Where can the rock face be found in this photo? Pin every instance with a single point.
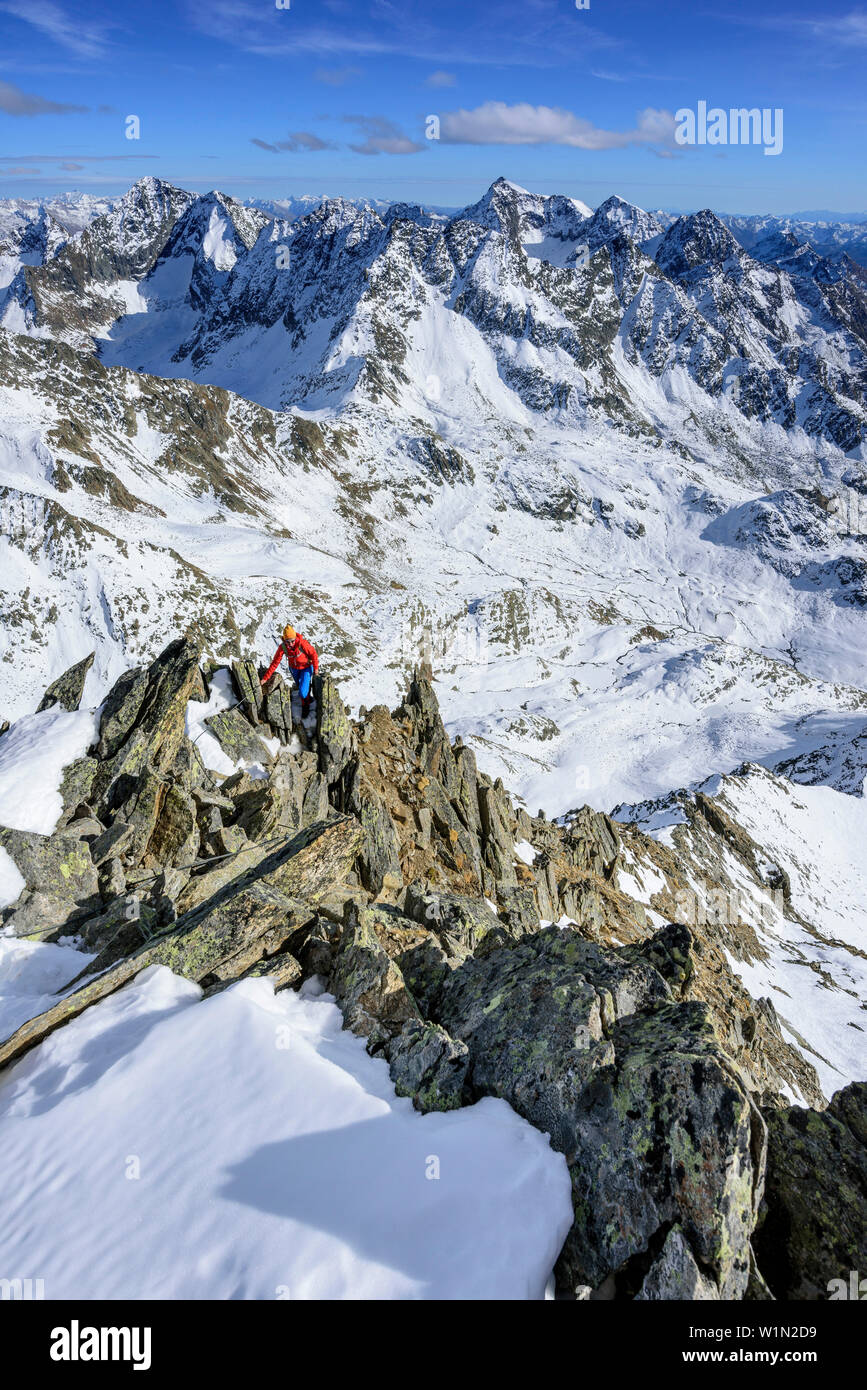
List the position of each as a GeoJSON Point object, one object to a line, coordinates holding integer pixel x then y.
{"type": "Point", "coordinates": [814, 1228]}
{"type": "Point", "coordinates": [378, 857]}
{"type": "Point", "coordinates": [68, 689]}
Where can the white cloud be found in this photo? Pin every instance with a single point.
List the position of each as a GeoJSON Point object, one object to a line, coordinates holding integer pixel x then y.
{"type": "Point", "coordinates": [498, 123]}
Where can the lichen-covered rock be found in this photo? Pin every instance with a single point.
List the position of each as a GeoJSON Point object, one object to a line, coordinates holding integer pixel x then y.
{"type": "Point", "coordinates": [380, 855]}
{"type": "Point", "coordinates": [141, 730]}
{"type": "Point", "coordinates": [237, 739]}
{"type": "Point", "coordinates": [428, 1065]}
{"type": "Point", "coordinates": [175, 838]}
{"type": "Point", "coordinates": [369, 987]}
{"type": "Point", "coordinates": [245, 677]}
{"type": "Point", "coordinates": [674, 1274]}
{"type": "Point", "coordinates": [461, 922]}
{"type": "Point", "coordinates": [277, 708]}
{"type": "Point", "coordinates": [61, 880]}
{"type": "Point", "coordinates": [76, 785]}
{"type": "Point", "coordinates": [335, 741]}
{"type": "Point", "coordinates": [814, 1227]}
{"type": "Point", "coordinates": [67, 690]}
{"type": "Point", "coordinates": [124, 925]}
{"type": "Point", "coordinates": [665, 1133]}
{"type": "Point", "coordinates": [585, 1043]}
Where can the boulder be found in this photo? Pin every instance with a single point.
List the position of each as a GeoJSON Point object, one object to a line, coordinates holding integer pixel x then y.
{"type": "Point", "coordinates": [68, 689]}
{"type": "Point", "coordinates": [175, 838]}
{"type": "Point", "coordinates": [665, 1133]}
{"type": "Point", "coordinates": [367, 984]}
{"type": "Point", "coordinates": [459, 921]}
{"type": "Point", "coordinates": [429, 1066]}
{"type": "Point", "coordinates": [61, 880]}
{"type": "Point", "coordinates": [237, 739]}
{"type": "Point", "coordinates": [141, 730]}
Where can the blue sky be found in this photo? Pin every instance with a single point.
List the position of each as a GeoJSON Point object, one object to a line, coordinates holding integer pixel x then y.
{"type": "Point", "coordinates": [333, 96]}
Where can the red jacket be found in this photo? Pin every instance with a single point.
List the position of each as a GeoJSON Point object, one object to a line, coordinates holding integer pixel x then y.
{"type": "Point", "coordinates": [300, 654]}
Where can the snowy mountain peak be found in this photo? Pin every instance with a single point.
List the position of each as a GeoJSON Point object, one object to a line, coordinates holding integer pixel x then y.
{"type": "Point", "coordinates": [699, 239]}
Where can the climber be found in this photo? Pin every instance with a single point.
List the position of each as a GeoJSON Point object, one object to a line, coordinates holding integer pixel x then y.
{"type": "Point", "coordinates": [303, 661]}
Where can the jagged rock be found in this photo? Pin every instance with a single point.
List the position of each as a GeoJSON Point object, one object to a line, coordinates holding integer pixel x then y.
{"type": "Point", "coordinates": [282, 970]}
{"type": "Point", "coordinates": [670, 951]}
{"type": "Point", "coordinates": [111, 843]}
{"type": "Point", "coordinates": [141, 730]}
{"type": "Point", "coordinates": [380, 855]}
{"type": "Point", "coordinates": [674, 1273]}
{"type": "Point", "coordinates": [499, 843]}
{"type": "Point", "coordinates": [206, 883]}
{"type": "Point", "coordinates": [369, 987]}
{"type": "Point", "coordinates": [593, 842]}
{"type": "Point", "coordinates": [584, 1042]}
{"type": "Point", "coordinates": [85, 828]}
{"type": "Point", "coordinates": [665, 1133]}
{"type": "Point", "coordinates": [252, 905]}
{"type": "Point", "coordinates": [112, 880]}
{"type": "Point", "coordinates": [466, 801]}
{"type": "Point", "coordinates": [334, 737]}
{"type": "Point", "coordinates": [60, 877]}
{"type": "Point", "coordinates": [428, 1065]}
{"type": "Point", "coordinates": [76, 785]}
{"type": "Point", "coordinates": [175, 839]}
{"type": "Point", "coordinates": [5, 726]}
{"type": "Point", "coordinates": [124, 925]}
{"type": "Point", "coordinates": [120, 710]}
{"type": "Point", "coordinates": [237, 739]}
{"type": "Point", "coordinates": [238, 784]}
{"type": "Point", "coordinates": [519, 910]}
{"type": "Point", "coordinates": [433, 745]}
{"type": "Point", "coordinates": [245, 677]}
{"type": "Point", "coordinates": [315, 805]}
{"type": "Point", "coordinates": [461, 921]}
{"type": "Point", "coordinates": [229, 839]}
{"type": "Point", "coordinates": [68, 689]}
{"type": "Point", "coordinates": [814, 1227]}
{"type": "Point", "coordinates": [277, 708]}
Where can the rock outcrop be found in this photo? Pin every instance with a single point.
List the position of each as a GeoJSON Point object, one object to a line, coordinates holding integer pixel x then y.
{"type": "Point", "coordinates": [376, 855]}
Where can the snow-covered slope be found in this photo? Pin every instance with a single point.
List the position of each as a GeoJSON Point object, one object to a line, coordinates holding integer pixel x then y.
{"type": "Point", "coordinates": [279, 1164]}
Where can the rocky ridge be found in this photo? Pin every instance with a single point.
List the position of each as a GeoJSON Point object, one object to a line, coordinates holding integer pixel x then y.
{"type": "Point", "coordinates": [479, 950]}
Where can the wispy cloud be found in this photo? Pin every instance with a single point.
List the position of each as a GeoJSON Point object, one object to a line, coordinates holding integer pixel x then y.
{"type": "Point", "coordinates": [382, 136]}
{"type": "Point", "coordinates": [525, 35]}
{"type": "Point", "coordinates": [298, 140]}
{"type": "Point", "coordinates": [19, 170]}
{"type": "Point", "coordinates": [72, 32]}
{"type": "Point", "coordinates": [336, 77]}
{"type": "Point", "coordinates": [440, 79]}
{"type": "Point", "coordinates": [85, 158]}
{"type": "Point", "coordinates": [498, 123]}
{"type": "Point", "coordinates": [15, 102]}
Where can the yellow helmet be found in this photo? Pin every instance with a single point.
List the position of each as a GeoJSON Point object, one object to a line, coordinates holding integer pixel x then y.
{"type": "Point", "coordinates": [289, 633]}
